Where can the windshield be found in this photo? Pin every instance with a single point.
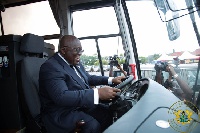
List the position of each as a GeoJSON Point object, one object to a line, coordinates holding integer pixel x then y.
{"type": "Point", "coordinates": [154, 45]}
{"type": "Point", "coordinates": [160, 36]}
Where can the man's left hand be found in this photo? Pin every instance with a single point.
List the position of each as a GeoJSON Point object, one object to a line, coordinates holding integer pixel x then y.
{"type": "Point", "coordinates": [118, 80]}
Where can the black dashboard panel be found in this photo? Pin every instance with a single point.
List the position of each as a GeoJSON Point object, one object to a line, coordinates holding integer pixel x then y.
{"type": "Point", "coordinates": [153, 106]}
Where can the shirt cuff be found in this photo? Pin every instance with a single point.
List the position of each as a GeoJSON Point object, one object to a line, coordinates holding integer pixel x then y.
{"type": "Point", "coordinates": [110, 80]}
{"type": "Point", "coordinates": [96, 96]}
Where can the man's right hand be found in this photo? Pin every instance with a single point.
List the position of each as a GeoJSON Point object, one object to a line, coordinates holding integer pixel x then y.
{"type": "Point", "coordinates": [107, 93]}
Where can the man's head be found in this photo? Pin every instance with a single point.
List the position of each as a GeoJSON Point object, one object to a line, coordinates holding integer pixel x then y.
{"type": "Point", "coordinates": [71, 49]}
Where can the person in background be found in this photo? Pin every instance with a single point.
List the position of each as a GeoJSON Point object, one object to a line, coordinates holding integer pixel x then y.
{"type": "Point", "coordinates": [180, 88]}
{"type": "Point", "coordinates": [111, 74]}
{"type": "Point", "coordinates": [159, 77]}
{"type": "Point", "coordinates": [66, 95]}
{"type": "Point", "coordinates": [174, 83]}
{"type": "Point", "coordinates": [121, 69]}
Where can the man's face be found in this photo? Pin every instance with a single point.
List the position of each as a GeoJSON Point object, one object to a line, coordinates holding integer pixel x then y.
{"type": "Point", "coordinates": [73, 51]}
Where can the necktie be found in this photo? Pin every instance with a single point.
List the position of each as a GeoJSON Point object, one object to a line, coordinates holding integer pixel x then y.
{"type": "Point", "coordinates": [79, 74]}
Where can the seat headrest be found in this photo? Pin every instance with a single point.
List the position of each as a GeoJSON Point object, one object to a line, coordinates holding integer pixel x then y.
{"type": "Point", "coordinates": [31, 43]}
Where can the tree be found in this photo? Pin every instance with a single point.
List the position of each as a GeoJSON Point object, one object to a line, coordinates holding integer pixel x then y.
{"type": "Point", "coordinates": [93, 60]}
{"type": "Point", "coordinates": [88, 60]}
{"type": "Point", "coordinates": [156, 56]}
{"type": "Point", "coordinates": [143, 60]}
{"type": "Point", "coordinates": [151, 58]}
{"type": "Point", "coordinates": [104, 62]}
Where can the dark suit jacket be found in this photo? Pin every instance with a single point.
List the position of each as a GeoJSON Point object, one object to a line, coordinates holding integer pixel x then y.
{"type": "Point", "coordinates": [63, 91]}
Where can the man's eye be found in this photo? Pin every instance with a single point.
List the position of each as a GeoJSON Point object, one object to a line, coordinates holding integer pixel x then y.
{"type": "Point", "coordinates": [78, 49]}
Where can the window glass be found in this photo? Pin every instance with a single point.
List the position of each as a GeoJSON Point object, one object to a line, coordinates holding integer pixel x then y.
{"type": "Point", "coordinates": [151, 33]}
{"type": "Point", "coordinates": [154, 45]}
{"type": "Point", "coordinates": [111, 48]}
{"type": "Point", "coordinates": [36, 18]}
{"type": "Point", "coordinates": [108, 48]}
{"type": "Point", "coordinates": [105, 45]}
{"type": "Point", "coordinates": [95, 22]}
{"type": "Point", "coordinates": [100, 21]}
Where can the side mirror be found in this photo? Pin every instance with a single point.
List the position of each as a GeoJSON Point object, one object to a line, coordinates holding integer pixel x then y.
{"type": "Point", "coordinates": [170, 17]}
{"type": "Point", "coordinates": [172, 25]}
{"type": "Point", "coordinates": [197, 4]}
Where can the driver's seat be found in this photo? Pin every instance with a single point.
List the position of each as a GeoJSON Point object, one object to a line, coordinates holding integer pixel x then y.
{"type": "Point", "coordinates": [32, 46]}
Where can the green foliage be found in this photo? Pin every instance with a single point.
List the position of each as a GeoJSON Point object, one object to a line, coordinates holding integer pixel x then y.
{"type": "Point", "coordinates": [143, 60]}
{"type": "Point", "coordinates": [121, 59]}
{"type": "Point", "coordinates": [156, 56]}
{"type": "Point", "coordinates": [88, 60]}
{"type": "Point", "coordinates": [149, 59]}
{"type": "Point", "coordinates": [104, 62]}
{"type": "Point", "coordinates": [93, 60]}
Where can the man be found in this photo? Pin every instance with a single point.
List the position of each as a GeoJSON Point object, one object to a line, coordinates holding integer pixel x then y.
{"type": "Point", "coordinates": [174, 83]}
{"type": "Point", "coordinates": [65, 93]}
{"type": "Point", "coordinates": [111, 74]}
{"type": "Point", "coordinates": [179, 87]}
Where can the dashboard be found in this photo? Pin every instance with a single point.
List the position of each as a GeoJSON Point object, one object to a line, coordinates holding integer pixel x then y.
{"type": "Point", "coordinates": [151, 111]}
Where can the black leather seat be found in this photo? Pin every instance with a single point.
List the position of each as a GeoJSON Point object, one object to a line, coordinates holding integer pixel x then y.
{"type": "Point", "coordinates": [32, 46]}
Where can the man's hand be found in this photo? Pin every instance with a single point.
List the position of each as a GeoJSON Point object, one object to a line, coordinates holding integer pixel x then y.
{"type": "Point", "coordinates": [107, 93]}
{"type": "Point", "coordinates": [171, 70]}
{"type": "Point", "coordinates": [118, 80]}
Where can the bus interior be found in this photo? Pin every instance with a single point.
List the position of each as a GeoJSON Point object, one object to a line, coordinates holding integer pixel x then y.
{"type": "Point", "coordinates": [137, 34]}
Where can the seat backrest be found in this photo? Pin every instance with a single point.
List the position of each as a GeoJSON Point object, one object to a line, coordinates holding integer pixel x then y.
{"type": "Point", "coordinates": [32, 46]}
{"type": "Point", "coordinates": [29, 74]}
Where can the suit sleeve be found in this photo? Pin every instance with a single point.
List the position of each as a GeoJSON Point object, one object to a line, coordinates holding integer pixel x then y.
{"type": "Point", "coordinates": [61, 89]}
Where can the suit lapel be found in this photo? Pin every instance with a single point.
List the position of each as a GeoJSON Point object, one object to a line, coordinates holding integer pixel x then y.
{"type": "Point", "coordinates": [69, 70]}
{"type": "Point", "coordinates": [82, 74]}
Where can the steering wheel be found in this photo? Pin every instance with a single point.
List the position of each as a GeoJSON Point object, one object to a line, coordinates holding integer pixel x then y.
{"type": "Point", "coordinates": [125, 82]}
{"type": "Point", "coordinates": [128, 96]}
{"type": "Point", "coordinates": [140, 86]}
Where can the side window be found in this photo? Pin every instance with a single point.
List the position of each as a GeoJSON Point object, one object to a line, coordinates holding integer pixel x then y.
{"type": "Point", "coordinates": [36, 18]}
{"type": "Point", "coordinates": [94, 22]}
